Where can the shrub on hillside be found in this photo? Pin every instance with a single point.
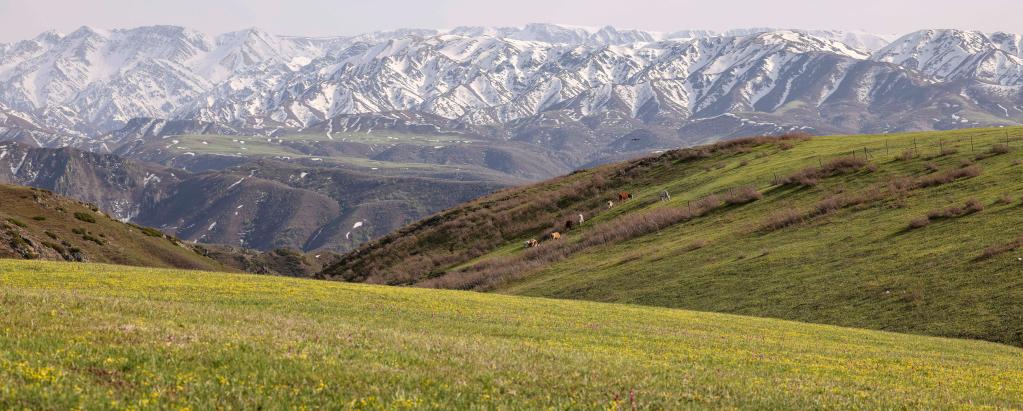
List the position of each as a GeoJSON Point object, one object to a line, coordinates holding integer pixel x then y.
{"type": "Point", "coordinates": [16, 222]}
{"type": "Point", "coordinates": [490, 273]}
{"type": "Point", "coordinates": [851, 199]}
{"type": "Point", "coordinates": [969, 207]}
{"type": "Point", "coordinates": [88, 237]}
{"type": "Point", "coordinates": [86, 217]}
{"type": "Point", "coordinates": [742, 195]}
{"type": "Point", "coordinates": [998, 249]}
{"type": "Point", "coordinates": [920, 222]}
{"type": "Point", "coordinates": [151, 232]}
{"type": "Point", "coordinates": [782, 219]}
{"type": "Point", "coordinates": [948, 176]}
{"type": "Point", "coordinates": [999, 149]}
{"type": "Point", "coordinates": [906, 155]}
{"type": "Point", "coordinates": [810, 176]}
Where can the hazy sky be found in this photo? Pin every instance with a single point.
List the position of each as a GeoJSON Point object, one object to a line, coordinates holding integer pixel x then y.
{"type": "Point", "coordinates": [21, 19]}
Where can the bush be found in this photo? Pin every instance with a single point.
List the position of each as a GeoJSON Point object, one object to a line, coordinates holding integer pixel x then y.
{"type": "Point", "coordinates": [743, 195]}
{"type": "Point", "coordinates": [974, 205]}
{"type": "Point", "coordinates": [844, 200]}
{"type": "Point", "coordinates": [86, 217]}
{"type": "Point", "coordinates": [782, 219]}
{"type": "Point", "coordinates": [810, 176]}
{"type": "Point", "coordinates": [948, 152]}
{"type": "Point", "coordinates": [971, 206]}
{"type": "Point", "coordinates": [151, 232]}
{"type": "Point", "coordinates": [39, 218]}
{"type": "Point", "coordinates": [919, 223]}
{"type": "Point", "coordinates": [491, 273]}
{"type": "Point", "coordinates": [1004, 199]}
{"type": "Point", "coordinates": [999, 149]}
{"type": "Point", "coordinates": [995, 250]}
{"type": "Point", "coordinates": [906, 155]}
{"type": "Point", "coordinates": [88, 237]}
{"type": "Point", "coordinates": [948, 176]}
{"type": "Point", "coordinates": [16, 222]}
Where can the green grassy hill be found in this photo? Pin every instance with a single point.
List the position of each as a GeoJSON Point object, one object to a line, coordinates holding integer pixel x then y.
{"type": "Point", "coordinates": [97, 337]}
{"type": "Point", "coordinates": [913, 232]}
{"type": "Point", "coordinates": [37, 224]}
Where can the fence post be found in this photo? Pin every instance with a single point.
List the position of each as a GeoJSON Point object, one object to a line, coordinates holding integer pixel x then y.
{"type": "Point", "coordinates": [886, 148]}
{"type": "Point", "coordinates": [971, 145]}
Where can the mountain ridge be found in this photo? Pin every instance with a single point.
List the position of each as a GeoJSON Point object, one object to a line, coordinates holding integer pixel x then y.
{"type": "Point", "coordinates": [99, 80]}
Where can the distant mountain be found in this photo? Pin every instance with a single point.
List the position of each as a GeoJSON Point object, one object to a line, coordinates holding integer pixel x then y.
{"type": "Point", "coordinates": [255, 203]}
{"type": "Point", "coordinates": [330, 142]}
{"type": "Point", "coordinates": [37, 224]}
{"type": "Point", "coordinates": [92, 82]}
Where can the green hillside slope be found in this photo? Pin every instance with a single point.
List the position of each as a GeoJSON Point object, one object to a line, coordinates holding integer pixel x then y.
{"type": "Point", "coordinates": [37, 224]}
{"type": "Point", "coordinates": [97, 337]}
{"type": "Point", "coordinates": [912, 232]}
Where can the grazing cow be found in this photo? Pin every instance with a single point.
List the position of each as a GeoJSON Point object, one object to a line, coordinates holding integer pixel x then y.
{"type": "Point", "coordinates": [530, 243]}
{"type": "Point", "coordinates": [569, 224]}
{"type": "Point", "coordinates": [624, 196]}
{"type": "Point", "coordinates": [610, 204]}
{"type": "Point", "coordinates": [665, 196]}
{"type": "Point", "coordinates": [581, 219]}
{"type": "Point", "coordinates": [555, 236]}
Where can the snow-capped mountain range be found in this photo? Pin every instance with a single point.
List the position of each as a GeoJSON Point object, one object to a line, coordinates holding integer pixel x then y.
{"type": "Point", "coordinates": [90, 82]}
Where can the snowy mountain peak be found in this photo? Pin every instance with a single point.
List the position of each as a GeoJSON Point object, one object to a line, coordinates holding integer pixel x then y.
{"type": "Point", "coordinates": [93, 80]}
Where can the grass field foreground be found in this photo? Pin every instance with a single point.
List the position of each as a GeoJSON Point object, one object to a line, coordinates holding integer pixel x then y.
{"type": "Point", "coordinates": [99, 336]}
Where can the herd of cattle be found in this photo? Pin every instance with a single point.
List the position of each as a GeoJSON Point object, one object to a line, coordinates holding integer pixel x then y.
{"type": "Point", "coordinates": [569, 224]}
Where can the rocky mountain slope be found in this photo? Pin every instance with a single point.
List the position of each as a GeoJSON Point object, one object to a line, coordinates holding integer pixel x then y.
{"type": "Point", "coordinates": [92, 81]}
{"type": "Point", "coordinates": [263, 204]}
{"type": "Point", "coordinates": [904, 232]}
{"type": "Point", "coordinates": [37, 224]}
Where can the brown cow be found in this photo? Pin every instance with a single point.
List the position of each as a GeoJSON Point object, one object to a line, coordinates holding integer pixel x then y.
{"type": "Point", "coordinates": [555, 236]}
{"type": "Point", "coordinates": [569, 224]}
{"type": "Point", "coordinates": [624, 196]}
{"type": "Point", "coordinates": [530, 243]}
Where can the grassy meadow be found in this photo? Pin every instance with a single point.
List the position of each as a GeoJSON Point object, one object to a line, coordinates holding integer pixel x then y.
{"type": "Point", "coordinates": [110, 337]}
{"type": "Point", "coordinates": [304, 146]}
